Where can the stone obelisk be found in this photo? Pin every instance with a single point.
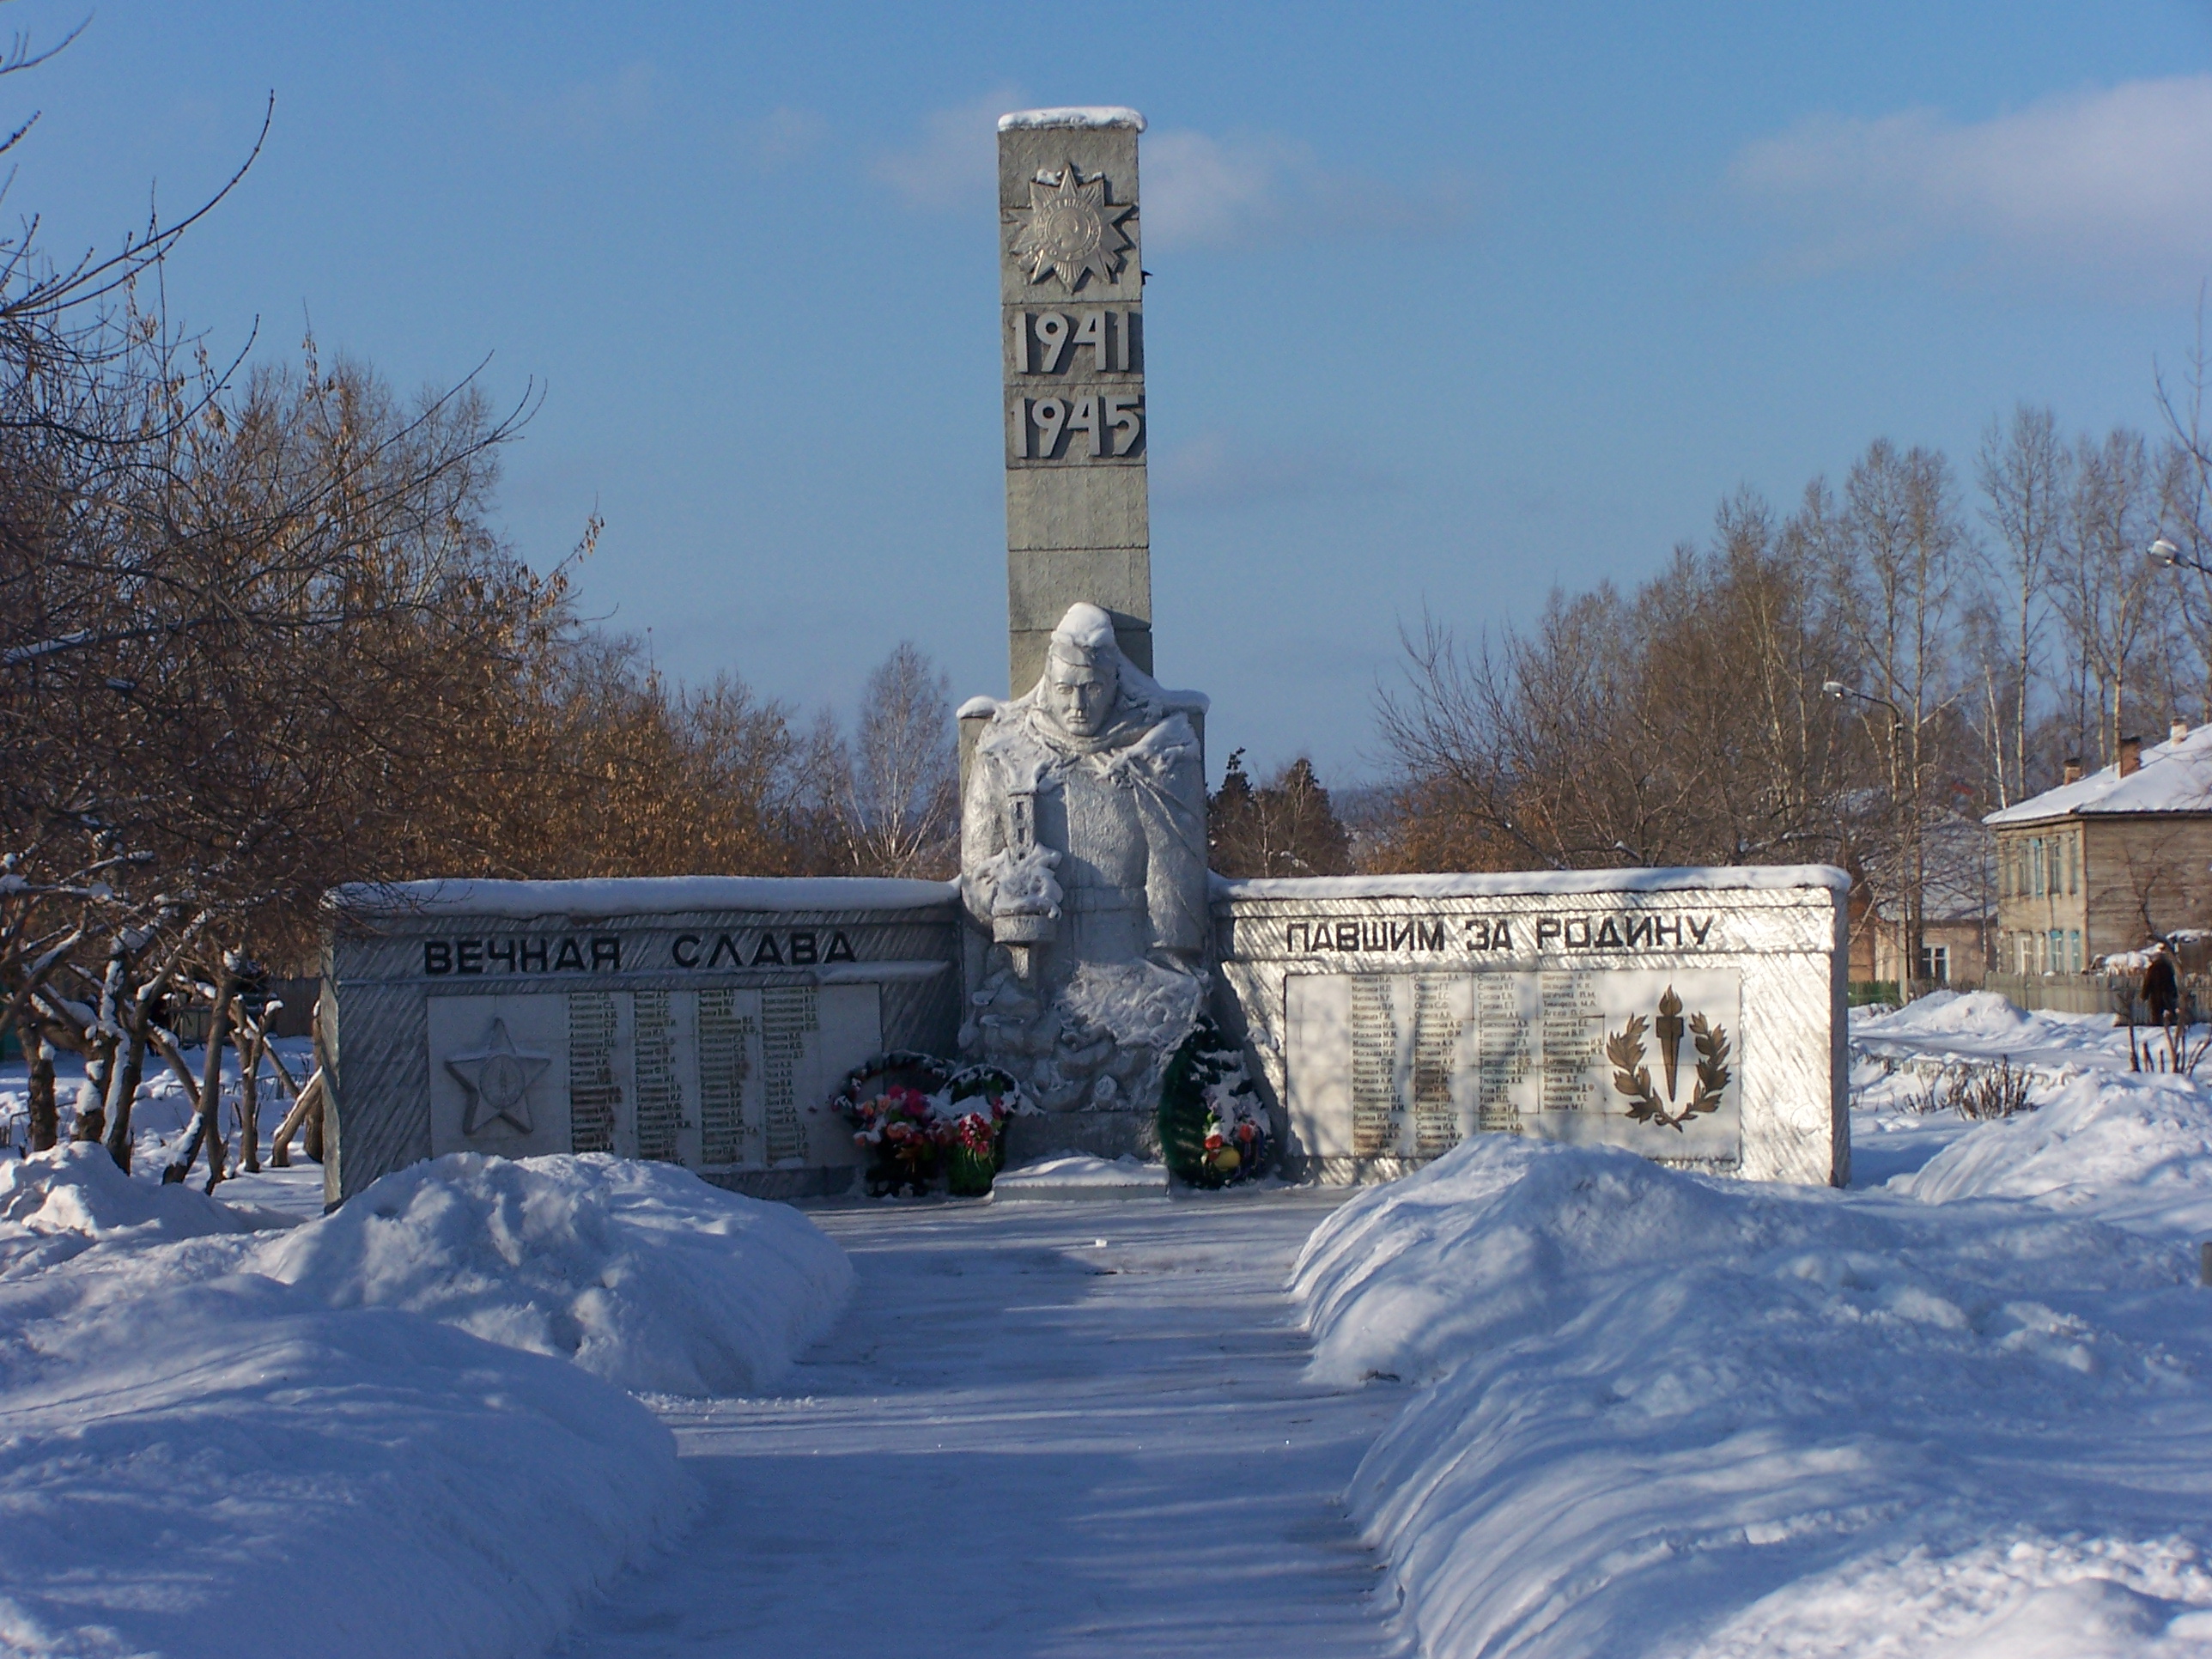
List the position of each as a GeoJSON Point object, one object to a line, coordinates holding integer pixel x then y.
{"type": "Point", "coordinates": [1072, 339]}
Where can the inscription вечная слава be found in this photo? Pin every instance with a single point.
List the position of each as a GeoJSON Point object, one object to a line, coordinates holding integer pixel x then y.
{"type": "Point", "coordinates": [796, 947]}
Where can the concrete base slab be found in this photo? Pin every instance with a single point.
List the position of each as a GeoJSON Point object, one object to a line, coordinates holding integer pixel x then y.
{"type": "Point", "coordinates": [1081, 1178]}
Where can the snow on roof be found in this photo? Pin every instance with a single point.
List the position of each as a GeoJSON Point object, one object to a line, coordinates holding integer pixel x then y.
{"type": "Point", "coordinates": [638, 895]}
{"type": "Point", "coordinates": [1100, 115]}
{"type": "Point", "coordinates": [1735, 878]}
{"type": "Point", "coordinates": [2175, 776]}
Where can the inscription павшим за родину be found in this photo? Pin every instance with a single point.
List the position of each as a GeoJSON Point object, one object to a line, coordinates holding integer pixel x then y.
{"type": "Point", "coordinates": [1631, 931]}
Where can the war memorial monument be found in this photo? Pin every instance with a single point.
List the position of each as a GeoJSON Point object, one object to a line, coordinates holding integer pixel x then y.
{"type": "Point", "coordinates": [1695, 1015]}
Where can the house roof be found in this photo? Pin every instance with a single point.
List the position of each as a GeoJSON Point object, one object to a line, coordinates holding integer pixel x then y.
{"type": "Point", "coordinates": [2175, 776]}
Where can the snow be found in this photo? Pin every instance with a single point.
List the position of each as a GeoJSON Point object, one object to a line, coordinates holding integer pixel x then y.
{"type": "Point", "coordinates": [1081, 1176]}
{"type": "Point", "coordinates": [640, 1273]}
{"type": "Point", "coordinates": [1533, 1399]}
{"type": "Point", "coordinates": [1965, 1407]}
{"type": "Point", "coordinates": [2174, 776]}
{"type": "Point", "coordinates": [75, 1196]}
{"type": "Point", "coordinates": [1666, 1414]}
{"type": "Point", "coordinates": [1102, 115]}
{"type": "Point", "coordinates": [227, 1430]}
{"type": "Point", "coordinates": [2135, 1151]}
{"type": "Point", "coordinates": [640, 896]}
{"type": "Point", "coordinates": [1041, 1429]}
{"type": "Point", "coordinates": [195, 1459]}
{"type": "Point", "coordinates": [1742, 878]}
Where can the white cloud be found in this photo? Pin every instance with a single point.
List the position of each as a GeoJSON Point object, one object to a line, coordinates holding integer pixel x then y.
{"type": "Point", "coordinates": [955, 163]}
{"type": "Point", "coordinates": [1252, 189]}
{"type": "Point", "coordinates": [1210, 472]}
{"type": "Point", "coordinates": [2117, 180]}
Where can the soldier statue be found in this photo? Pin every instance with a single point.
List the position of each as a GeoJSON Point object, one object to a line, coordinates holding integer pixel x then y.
{"type": "Point", "coordinates": [1083, 853]}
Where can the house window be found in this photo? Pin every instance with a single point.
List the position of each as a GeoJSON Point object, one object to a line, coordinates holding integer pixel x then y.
{"type": "Point", "coordinates": [2074, 949]}
{"type": "Point", "coordinates": [1936, 963]}
{"type": "Point", "coordinates": [2072, 864]}
{"type": "Point", "coordinates": [2037, 868]}
{"type": "Point", "coordinates": [2057, 951]}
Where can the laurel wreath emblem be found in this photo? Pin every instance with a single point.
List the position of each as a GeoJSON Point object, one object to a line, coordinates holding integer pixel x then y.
{"type": "Point", "coordinates": [1632, 1077]}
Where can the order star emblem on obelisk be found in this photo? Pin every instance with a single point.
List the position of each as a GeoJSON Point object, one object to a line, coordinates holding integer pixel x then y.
{"type": "Point", "coordinates": [497, 1076]}
{"type": "Point", "coordinates": [1073, 230]}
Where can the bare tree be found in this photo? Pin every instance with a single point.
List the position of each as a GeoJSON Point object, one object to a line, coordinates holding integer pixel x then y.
{"type": "Point", "coordinates": [1683, 724]}
{"type": "Point", "coordinates": [2026, 474]}
{"type": "Point", "coordinates": [2116, 607]}
{"type": "Point", "coordinates": [902, 799]}
{"type": "Point", "coordinates": [1896, 551]}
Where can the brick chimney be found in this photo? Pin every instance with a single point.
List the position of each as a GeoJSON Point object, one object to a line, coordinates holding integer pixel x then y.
{"type": "Point", "coordinates": [2130, 757]}
{"type": "Point", "coordinates": [2073, 771]}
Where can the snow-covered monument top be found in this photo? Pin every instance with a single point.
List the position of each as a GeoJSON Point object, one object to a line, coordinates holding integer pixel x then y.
{"type": "Point", "coordinates": [1692, 1015]}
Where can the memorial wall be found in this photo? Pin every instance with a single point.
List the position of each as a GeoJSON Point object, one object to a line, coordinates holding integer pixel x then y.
{"type": "Point", "coordinates": [701, 1021]}
{"type": "Point", "coordinates": [1694, 1015]}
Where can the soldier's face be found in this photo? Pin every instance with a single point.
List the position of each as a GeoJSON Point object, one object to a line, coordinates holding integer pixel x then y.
{"type": "Point", "coordinates": [1079, 696]}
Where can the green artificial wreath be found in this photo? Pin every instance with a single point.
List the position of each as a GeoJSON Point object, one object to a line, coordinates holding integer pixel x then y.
{"type": "Point", "coordinates": [1213, 1125]}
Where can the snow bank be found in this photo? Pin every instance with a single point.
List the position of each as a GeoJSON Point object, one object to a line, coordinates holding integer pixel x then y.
{"type": "Point", "coordinates": [2132, 1150]}
{"type": "Point", "coordinates": [225, 1468]}
{"type": "Point", "coordinates": [57, 1204]}
{"type": "Point", "coordinates": [641, 1274]}
{"type": "Point", "coordinates": [1949, 1014]}
{"type": "Point", "coordinates": [1669, 1415]}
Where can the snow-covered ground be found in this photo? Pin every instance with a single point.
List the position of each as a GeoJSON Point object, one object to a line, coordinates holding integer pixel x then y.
{"type": "Point", "coordinates": [1068, 1428]}
{"type": "Point", "coordinates": [228, 1430]}
{"type": "Point", "coordinates": [1964, 1409]}
{"type": "Point", "coordinates": [1535, 1400]}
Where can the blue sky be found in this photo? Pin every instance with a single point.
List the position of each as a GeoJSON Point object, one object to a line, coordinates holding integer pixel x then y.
{"type": "Point", "coordinates": [1449, 304]}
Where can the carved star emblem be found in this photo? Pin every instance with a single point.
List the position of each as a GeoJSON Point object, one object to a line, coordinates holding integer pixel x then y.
{"type": "Point", "coordinates": [1073, 230]}
{"type": "Point", "coordinates": [497, 1076]}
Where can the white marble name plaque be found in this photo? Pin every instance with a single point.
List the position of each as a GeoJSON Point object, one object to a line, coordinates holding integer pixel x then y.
{"type": "Point", "coordinates": [721, 1077]}
{"type": "Point", "coordinates": [1407, 1065]}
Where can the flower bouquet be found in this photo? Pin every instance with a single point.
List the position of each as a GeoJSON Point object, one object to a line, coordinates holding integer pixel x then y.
{"type": "Point", "coordinates": [976, 1104]}
{"type": "Point", "coordinates": [915, 1114]}
{"type": "Point", "coordinates": [1214, 1128]}
{"type": "Point", "coordinates": [889, 1099]}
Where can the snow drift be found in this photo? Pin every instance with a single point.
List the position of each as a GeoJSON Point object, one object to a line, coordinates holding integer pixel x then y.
{"type": "Point", "coordinates": [641, 1274]}
{"type": "Point", "coordinates": [225, 1468]}
{"type": "Point", "coordinates": [220, 1441]}
{"type": "Point", "coordinates": [58, 1204]}
{"type": "Point", "coordinates": [2133, 1150]}
{"type": "Point", "coordinates": [1669, 1415]}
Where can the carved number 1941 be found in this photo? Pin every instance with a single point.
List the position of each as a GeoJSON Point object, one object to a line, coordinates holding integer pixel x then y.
{"type": "Point", "coordinates": [1096, 424]}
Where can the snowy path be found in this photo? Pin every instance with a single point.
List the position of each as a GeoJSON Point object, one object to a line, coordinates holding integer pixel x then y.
{"type": "Point", "coordinates": [1021, 1442]}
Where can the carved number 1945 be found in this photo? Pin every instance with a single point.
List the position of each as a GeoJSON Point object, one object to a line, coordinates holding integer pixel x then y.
{"type": "Point", "coordinates": [1047, 428]}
